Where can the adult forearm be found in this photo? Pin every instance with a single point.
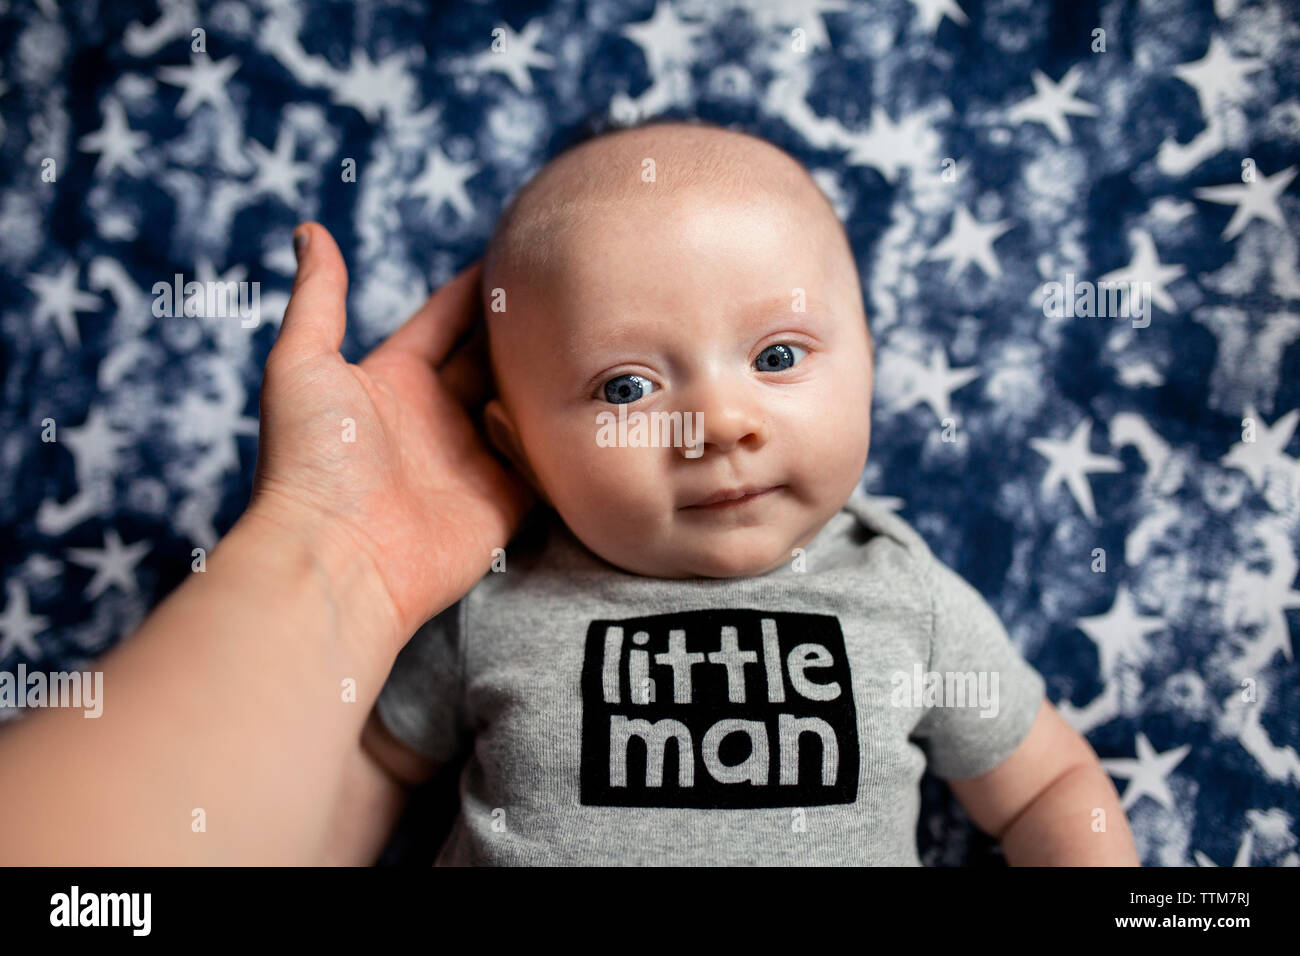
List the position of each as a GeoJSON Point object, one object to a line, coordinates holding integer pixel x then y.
{"type": "Point", "coordinates": [224, 720]}
{"type": "Point", "coordinates": [1077, 821]}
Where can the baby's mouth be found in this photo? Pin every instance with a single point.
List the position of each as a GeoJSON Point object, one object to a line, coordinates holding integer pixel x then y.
{"type": "Point", "coordinates": [729, 498]}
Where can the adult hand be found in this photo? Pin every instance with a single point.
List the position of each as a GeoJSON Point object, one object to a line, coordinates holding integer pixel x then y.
{"type": "Point", "coordinates": [382, 458]}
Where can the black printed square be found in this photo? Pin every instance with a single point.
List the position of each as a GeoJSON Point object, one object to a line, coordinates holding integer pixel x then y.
{"type": "Point", "coordinates": [724, 708]}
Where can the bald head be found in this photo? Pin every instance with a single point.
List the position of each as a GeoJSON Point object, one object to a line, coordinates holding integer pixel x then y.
{"type": "Point", "coordinates": [660, 161]}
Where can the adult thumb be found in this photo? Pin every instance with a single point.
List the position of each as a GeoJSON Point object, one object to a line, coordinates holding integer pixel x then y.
{"type": "Point", "coordinates": [316, 317]}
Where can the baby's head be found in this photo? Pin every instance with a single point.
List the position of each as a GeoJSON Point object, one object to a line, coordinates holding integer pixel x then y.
{"type": "Point", "coordinates": [674, 267]}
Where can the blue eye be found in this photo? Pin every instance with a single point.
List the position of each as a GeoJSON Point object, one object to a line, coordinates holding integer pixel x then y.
{"type": "Point", "coordinates": [777, 358]}
{"type": "Point", "coordinates": [625, 389]}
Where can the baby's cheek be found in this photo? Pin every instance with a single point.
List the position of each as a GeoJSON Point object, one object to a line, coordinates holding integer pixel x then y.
{"type": "Point", "coordinates": [615, 513]}
{"type": "Point", "coordinates": [623, 481]}
{"type": "Point", "coordinates": [833, 446]}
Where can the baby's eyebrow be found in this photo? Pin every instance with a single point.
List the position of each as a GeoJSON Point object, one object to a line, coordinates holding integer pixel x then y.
{"type": "Point", "coordinates": [769, 303]}
{"type": "Point", "coordinates": [798, 302]}
{"type": "Point", "coordinates": [770, 311]}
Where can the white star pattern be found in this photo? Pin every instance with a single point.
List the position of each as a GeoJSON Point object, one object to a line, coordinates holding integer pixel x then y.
{"type": "Point", "coordinates": [277, 173]}
{"type": "Point", "coordinates": [1071, 461]}
{"type": "Point", "coordinates": [204, 81]}
{"type": "Point", "coordinates": [211, 423]}
{"type": "Point", "coordinates": [1052, 103]}
{"type": "Point", "coordinates": [373, 89]}
{"type": "Point", "coordinates": [888, 146]}
{"type": "Point", "coordinates": [94, 444]}
{"type": "Point", "coordinates": [1268, 451]}
{"type": "Point", "coordinates": [18, 626]}
{"type": "Point", "coordinates": [58, 298]}
{"type": "Point", "coordinates": [114, 564]}
{"type": "Point", "coordinates": [932, 384]}
{"type": "Point", "coordinates": [115, 142]}
{"type": "Point", "coordinates": [1254, 200]}
{"type": "Point", "coordinates": [444, 181]}
{"type": "Point", "coordinates": [1218, 76]}
{"type": "Point", "coordinates": [1120, 633]}
{"type": "Point", "coordinates": [1146, 774]}
{"type": "Point", "coordinates": [665, 39]}
{"type": "Point", "coordinates": [968, 241]}
{"type": "Point", "coordinates": [1146, 267]}
{"type": "Point", "coordinates": [518, 53]}
{"type": "Point", "coordinates": [929, 13]}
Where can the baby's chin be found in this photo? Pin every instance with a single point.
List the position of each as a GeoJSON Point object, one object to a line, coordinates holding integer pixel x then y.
{"type": "Point", "coordinates": [739, 567]}
{"type": "Point", "coordinates": [721, 556]}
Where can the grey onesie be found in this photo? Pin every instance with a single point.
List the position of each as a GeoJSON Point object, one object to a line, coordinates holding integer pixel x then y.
{"type": "Point", "coordinates": [781, 719]}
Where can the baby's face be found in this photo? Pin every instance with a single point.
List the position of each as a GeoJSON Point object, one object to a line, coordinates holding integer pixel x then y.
{"type": "Point", "coordinates": [744, 311]}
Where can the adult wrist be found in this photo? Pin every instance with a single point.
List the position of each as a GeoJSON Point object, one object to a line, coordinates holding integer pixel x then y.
{"type": "Point", "coordinates": [273, 541]}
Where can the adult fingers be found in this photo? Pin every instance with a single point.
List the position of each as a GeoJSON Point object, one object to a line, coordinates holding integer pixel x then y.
{"type": "Point", "coordinates": [467, 374]}
{"type": "Point", "coordinates": [316, 316]}
{"type": "Point", "coordinates": [435, 327]}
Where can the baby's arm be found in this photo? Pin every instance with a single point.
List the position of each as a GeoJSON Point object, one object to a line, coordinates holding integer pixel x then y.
{"type": "Point", "coordinates": [1042, 801]}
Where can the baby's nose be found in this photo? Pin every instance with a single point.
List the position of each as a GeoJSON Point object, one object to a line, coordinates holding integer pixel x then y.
{"type": "Point", "coordinates": [723, 421]}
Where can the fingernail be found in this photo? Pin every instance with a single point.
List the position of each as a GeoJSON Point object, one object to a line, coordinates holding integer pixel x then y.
{"type": "Point", "coordinates": [300, 243]}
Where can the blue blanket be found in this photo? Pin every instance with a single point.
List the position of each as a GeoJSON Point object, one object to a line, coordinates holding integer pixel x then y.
{"type": "Point", "coordinates": [1076, 226]}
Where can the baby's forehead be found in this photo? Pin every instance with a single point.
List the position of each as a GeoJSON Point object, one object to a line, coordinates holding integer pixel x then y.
{"type": "Point", "coordinates": [589, 203]}
{"type": "Point", "coordinates": [596, 258]}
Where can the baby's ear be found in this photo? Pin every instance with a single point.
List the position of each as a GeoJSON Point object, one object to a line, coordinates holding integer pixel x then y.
{"type": "Point", "coordinates": [501, 432]}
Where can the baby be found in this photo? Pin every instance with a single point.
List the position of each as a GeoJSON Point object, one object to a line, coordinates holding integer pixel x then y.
{"type": "Point", "coordinates": [712, 648]}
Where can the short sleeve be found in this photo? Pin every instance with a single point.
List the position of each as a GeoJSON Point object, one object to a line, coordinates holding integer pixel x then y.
{"type": "Point", "coordinates": [990, 694]}
{"type": "Point", "coordinates": [421, 703]}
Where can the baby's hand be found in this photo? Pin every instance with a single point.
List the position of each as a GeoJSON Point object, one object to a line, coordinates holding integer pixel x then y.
{"type": "Point", "coordinates": [382, 458]}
